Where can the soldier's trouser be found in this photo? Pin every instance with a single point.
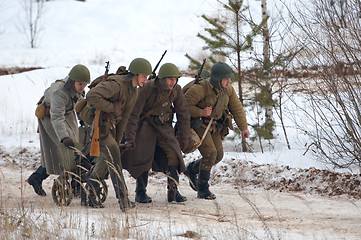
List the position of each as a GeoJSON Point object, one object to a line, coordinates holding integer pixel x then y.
{"type": "Point", "coordinates": [173, 160]}
{"type": "Point", "coordinates": [109, 160]}
{"type": "Point", "coordinates": [211, 148]}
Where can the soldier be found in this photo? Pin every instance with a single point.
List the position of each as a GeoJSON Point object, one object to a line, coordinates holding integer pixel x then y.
{"type": "Point", "coordinates": [208, 102]}
{"type": "Point", "coordinates": [115, 97]}
{"type": "Point", "coordinates": [58, 125]}
{"type": "Point", "coordinates": [150, 126]}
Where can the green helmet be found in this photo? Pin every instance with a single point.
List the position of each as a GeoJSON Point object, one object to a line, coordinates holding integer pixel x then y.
{"type": "Point", "coordinates": [168, 70]}
{"type": "Point", "coordinates": [205, 74]}
{"type": "Point", "coordinates": [140, 66]}
{"type": "Point", "coordinates": [80, 73]}
{"type": "Point", "coordinates": [221, 70]}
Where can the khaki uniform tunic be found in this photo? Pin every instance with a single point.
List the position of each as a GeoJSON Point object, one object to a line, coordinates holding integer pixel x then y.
{"type": "Point", "coordinates": [203, 95]}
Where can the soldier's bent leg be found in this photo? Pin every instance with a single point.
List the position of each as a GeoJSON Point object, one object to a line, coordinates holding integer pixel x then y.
{"type": "Point", "coordinates": [173, 176]}
{"type": "Point", "coordinates": [92, 187]}
{"type": "Point", "coordinates": [140, 191]}
{"type": "Point", "coordinates": [203, 186]}
{"type": "Point", "coordinates": [209, 152]}
{"type": "Point", "coordinates": [207, 149]}
{"type": "Point", "coordinates": [98, 172]}
{"type": "Point", "coordinates": [192, 172]}
{"type": "Point", "coordinates": [116, 175]}
{"type": "Point", "coordinates": [173, 181]}
{"type": "Point", "coordinates": [36, 180]}
{"type": "Point", "coordinates": [217, 141]}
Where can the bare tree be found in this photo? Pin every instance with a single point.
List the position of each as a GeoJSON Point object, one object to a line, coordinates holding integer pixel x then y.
{"type": "Point", "coordinates": [330, 32]}
{"type": "Point", "coordinates": [31, 24]}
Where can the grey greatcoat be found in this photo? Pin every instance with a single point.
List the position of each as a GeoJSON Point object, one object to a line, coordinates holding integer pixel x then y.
{"type": "Point", "coordinates": [61, 123]}
{"type": "Point", "coordinates": [145, 129]}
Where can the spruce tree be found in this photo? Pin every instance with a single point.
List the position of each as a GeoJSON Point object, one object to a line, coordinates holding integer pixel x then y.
{"type": "Point", "coordinates": [224, 37]}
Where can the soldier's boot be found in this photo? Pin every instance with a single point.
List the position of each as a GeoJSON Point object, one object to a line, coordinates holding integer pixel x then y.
{"type": "Point", "coordinates": [191, 173]}
{"type": "Point", "coordinates": [140, 191]}
{"type": "Point", "coordinates": [121, 191]}
{"type": "Point", "coordinates": [203, 186]}
{"type": "Point", "coordinates": [92, 187]}
{"type": "Point", "coordinates": [36, 180]}
{"type": "Point", "coordinates": [173, 180]}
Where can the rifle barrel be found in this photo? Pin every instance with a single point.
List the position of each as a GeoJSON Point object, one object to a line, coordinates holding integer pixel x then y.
{"type": "Point", "coordinates": [157, 65]}
{"type": "Point", "coordinates": [200, 71]}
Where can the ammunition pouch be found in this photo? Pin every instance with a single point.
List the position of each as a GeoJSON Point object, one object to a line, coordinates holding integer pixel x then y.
{"type": "Point", "coordinates": [224, 124]}
{"type": "Point", "coordinates": [41, 111]}
{"type": "Point", "coordinates": [163, 118]}
{"type": "Point", "coordinates": [196, 122]}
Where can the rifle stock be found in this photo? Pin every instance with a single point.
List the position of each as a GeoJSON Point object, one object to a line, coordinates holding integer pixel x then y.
{"type": "Point", "coordinates": [95, 144]}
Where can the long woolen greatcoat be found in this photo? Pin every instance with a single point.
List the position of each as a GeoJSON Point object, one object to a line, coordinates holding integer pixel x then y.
{"type": "Point", "coordinates": [62, 123]}
{"type": "Point", "coordinates": [146, 155]}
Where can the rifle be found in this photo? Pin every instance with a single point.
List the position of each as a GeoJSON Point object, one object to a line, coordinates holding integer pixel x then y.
{"type": "Point", "coordinates": [95, 145]}
{"type": "Point", "coordinates": [200, 71]}
{"type": "Point", "coordinates": [156, 66]}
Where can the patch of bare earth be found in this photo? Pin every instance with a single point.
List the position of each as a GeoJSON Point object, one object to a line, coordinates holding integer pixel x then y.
{"type": "Point", "coordinates": [14, 70]}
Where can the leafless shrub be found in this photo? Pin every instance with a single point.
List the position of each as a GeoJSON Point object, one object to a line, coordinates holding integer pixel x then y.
{"type": "Point", "coordinates": [330, 36]}
{"type": "Point", "coordinates": [31, 25]}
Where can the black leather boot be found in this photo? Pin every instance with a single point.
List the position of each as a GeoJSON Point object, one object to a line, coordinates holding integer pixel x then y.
{"type": "Point", "coordinates": [173, 180]}
{"type": "Point", "coordinates": [36, 180]}
{"type": "Point", "coordinates": [140, 191]}
{"type": "Point", "coordinates": [191, 173]}
{"type": "Point", "coordinates": [203, 186]}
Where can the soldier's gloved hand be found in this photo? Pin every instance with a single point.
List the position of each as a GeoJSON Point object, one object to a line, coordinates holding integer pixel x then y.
{"type": "Point", "coordinates": [130, 143]}
{"type": "Point", "coordinates": [184, 142]}
{"type": "Point", "coordinates": [68, 142]}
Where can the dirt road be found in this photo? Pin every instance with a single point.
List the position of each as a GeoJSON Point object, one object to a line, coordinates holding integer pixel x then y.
{"type": "Point", "coordinates": [247, 213]}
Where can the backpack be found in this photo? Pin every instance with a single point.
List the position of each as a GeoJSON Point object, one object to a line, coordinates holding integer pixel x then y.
{"type": "Point", "coordinates": [79, 106]}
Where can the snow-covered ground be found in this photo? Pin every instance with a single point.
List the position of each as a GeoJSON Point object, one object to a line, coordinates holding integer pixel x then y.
{"type": "Point", "coordinates": [281, 193]}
